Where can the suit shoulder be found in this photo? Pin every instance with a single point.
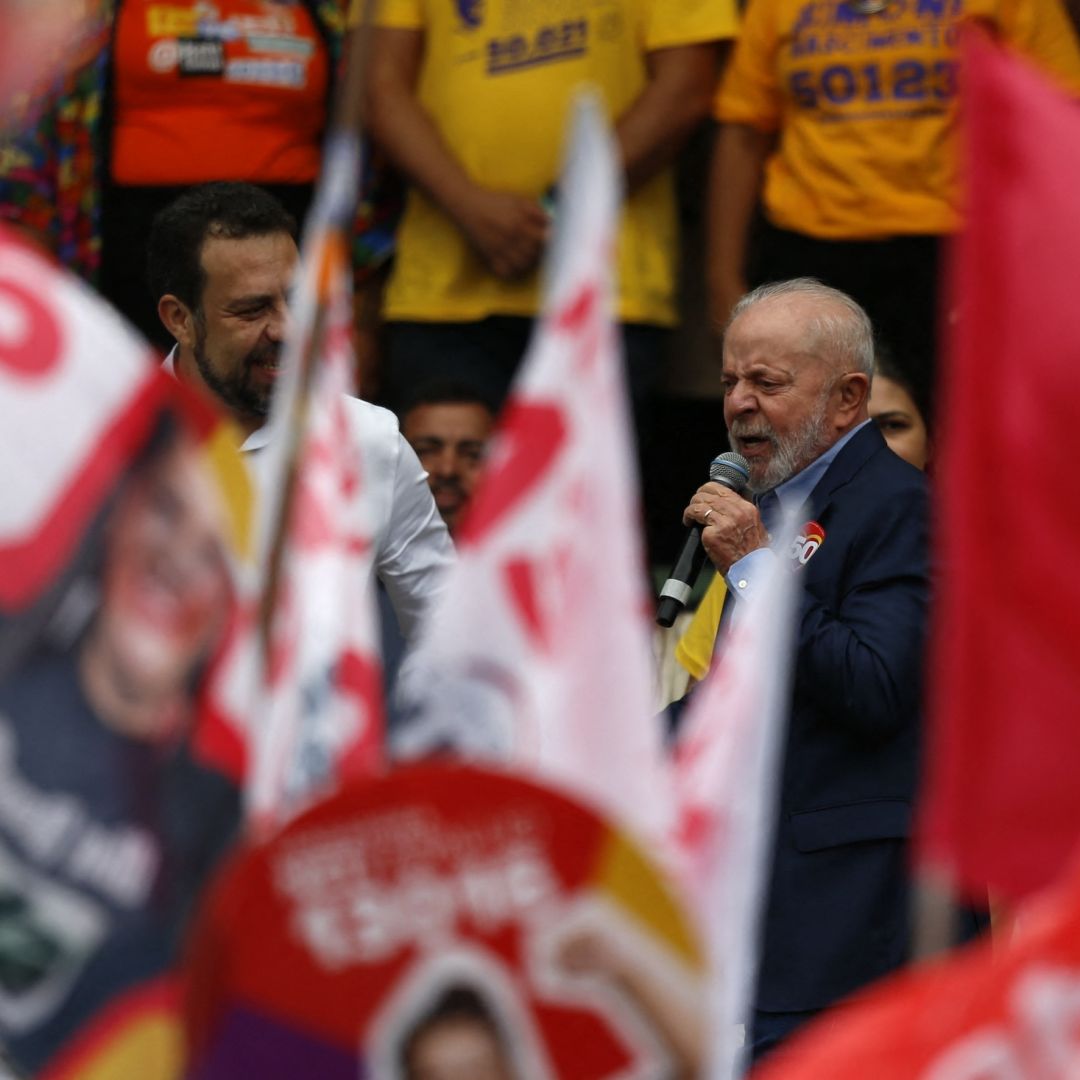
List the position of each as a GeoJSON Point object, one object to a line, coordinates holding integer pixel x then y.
{"type": "Point", "coordinates": [886, 475]}
{"type": "Point", "coordinates": [903, 472]}
{"type": "Point", "coordinates": [373, 416]}
{"type": "Point", "coordinates": [880, 491]}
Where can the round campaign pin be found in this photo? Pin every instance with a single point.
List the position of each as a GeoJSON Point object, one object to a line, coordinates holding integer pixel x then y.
{"type": "Point", "coordinates": [443, 913]}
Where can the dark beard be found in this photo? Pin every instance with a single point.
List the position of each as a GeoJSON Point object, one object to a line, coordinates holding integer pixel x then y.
{"type": "Point", "coordinates": [237, 393]}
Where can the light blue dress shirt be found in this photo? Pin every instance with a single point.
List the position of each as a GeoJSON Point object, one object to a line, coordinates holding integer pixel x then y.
{"type": "Point", "coordinates": [792, 493]}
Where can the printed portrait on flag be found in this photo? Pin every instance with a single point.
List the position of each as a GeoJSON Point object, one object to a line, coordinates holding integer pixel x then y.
{"type": "Point", "coordinates": [445, 913]}
{"type": "Point", "coordinates": [119, 591]}
{"type": "Point", "coordinates": [107, 824]}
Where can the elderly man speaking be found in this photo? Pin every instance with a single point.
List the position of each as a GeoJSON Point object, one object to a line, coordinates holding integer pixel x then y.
{"type": "Point", "coordinates": [798, 360]}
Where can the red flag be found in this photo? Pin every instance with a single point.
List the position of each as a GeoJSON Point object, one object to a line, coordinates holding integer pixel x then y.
{"type": "Point", "coordinates": [1003, 801]}
{"type": "Point", "coordinates": [989, 1013]}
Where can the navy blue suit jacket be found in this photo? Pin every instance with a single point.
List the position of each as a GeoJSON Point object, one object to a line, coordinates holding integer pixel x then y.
{"type": "Point", "coordinates": [838, 898]}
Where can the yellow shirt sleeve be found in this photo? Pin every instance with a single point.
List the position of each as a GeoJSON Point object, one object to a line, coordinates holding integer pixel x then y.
{"type": "Point", "coordinates": [695, 647]}
{"type": "Point", "coordinates": [393, 14]}
{"type": "Point", "coordinates": [749, 92]}
{"type": "Point", "coordinates": [670, 23]}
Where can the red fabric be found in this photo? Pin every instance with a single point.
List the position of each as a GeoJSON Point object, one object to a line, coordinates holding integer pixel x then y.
{"type": "Point", "coordinates": [988, 1013]}
{"type": "Point", "coordinates": [1003, 803]}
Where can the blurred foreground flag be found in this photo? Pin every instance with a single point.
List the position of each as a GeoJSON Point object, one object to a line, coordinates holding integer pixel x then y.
{"type": "Point", "coordinates": [728, 762]}
{"type": "Point", "coordinates": [303, 714]}
{"type": "Point", "coordinates": [78, 395]}
{"type": "Point", "coordinates": [116, 551]}
{"type": "Point", "coordinates": [540, 651]}
{"type": "Point", "coordinates": [990, 1012]}
{"type": "Point", "coordinates": [1003, 803]}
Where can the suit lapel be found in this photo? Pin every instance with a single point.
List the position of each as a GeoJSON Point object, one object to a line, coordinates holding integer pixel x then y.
{"type": "Point", "coordinates": [849, 461]}
{"type": "Point", "coordinates": [813, 516]}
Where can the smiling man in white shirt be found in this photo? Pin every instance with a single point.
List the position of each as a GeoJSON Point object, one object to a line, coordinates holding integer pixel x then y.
{"type": "Point", "coordinates": [221, 263]}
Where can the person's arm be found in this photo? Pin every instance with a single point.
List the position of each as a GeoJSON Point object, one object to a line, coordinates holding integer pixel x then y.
{"type": "Point", "coordinates": [675, 100]}
{"type": "Point", "coordinates": [862, 660]}
{"type": "Point", "coordinates": [738, 164]}
{"type": "Point", "coordinates": [415, 551]}
{"type": "Point", "coordinates": [508, 230]}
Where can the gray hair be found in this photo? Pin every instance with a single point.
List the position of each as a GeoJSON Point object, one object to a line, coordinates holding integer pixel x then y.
{"type": "Point", "coordinates": [844, 335]}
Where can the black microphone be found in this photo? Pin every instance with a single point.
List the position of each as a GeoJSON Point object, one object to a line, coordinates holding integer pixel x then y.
{"type": "Point", "coordinates": [733, 472]}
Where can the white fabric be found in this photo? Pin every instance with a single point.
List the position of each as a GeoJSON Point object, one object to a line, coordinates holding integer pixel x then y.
{"type": "Point", "coordinates": [542, 646]}
{"type": "Point", "coordinates": [412, 546]}
{"type": "Point", "coordinates": [728, 762]}
{"type": "Point", "coordinates": [57, 399]}
{"type": "Point", "coordinates": [321, 700]}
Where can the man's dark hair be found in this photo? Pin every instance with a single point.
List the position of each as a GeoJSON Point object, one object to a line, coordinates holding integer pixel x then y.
{"type": "Point", "coordinates": [446, 392]}
{"type": "Point", "coordinates": [226, 209]}
{"type": "Point", "coordinates": [457, 1004]}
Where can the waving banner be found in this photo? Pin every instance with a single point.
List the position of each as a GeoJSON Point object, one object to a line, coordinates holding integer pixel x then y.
{"type": "Point", "coordinates": [115, 586]}
{"type": "Point", "coordinates": [78, 392]}
{"type": "Point", "coordinates": [439, 904]}
{"type": "Point", "coordinates": [295, 705]}
{"type": "Point", "coordinates": [541, 649]}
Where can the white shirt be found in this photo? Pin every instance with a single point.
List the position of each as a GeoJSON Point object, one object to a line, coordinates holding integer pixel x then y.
{"type": "Point", "coordinates": [412, 546]}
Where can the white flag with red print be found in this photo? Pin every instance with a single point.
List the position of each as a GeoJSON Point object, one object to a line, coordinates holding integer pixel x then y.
{"type": "Point", "coordinates": [727, 770]}
{"type": "Point", "coordinates": [306, 714]}
{"type": "Point", "coordinates": [79, 392]}
{"type": "Point", "coordinates": [540, 651]}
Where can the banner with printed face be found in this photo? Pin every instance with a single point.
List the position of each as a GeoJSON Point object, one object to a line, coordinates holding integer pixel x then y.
{"type": "Point", "coordinates": [115, 585]}
{"type": "Point", "coordinates": [444, 913]}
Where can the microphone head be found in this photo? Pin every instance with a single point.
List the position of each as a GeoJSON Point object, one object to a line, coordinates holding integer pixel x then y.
{"type": "Point", "coordinates": [730, 469]}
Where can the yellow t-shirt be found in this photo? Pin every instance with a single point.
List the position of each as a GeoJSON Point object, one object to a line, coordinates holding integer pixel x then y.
{"type": "Point", "coordinates": [695, 648]}
{"type": "Point", "coordinates": [498, 78]}
{"type": "Point", "coordinates": [864, 105]}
